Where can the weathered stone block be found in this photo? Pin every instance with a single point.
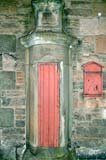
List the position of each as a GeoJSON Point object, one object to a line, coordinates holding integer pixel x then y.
{"type": "Point", "coordinates": [88, 117]}
{"type": "Point", "coordinates": [13, 131]}
{"type": "Point", "coordinates": [88, 45]}
{"type": "Point", "coordinates": [72, 26]}
{"type": "Point", "coordinates": [79, 117]}
{"type": "Point", "coordinates": [87, 131]}
{"type": "Point", "coordinates": [89, 40]}
{"type": "Point", "coordinates": [26, 2]}
{"type": "Point", "coordinates": [13, 24]}
{"type": "Point", "coordinates": [9, 131]}
{"type": "Point", "coordinates": [10, 153]}
{"type": "Point", "coordinates": [101, 44]}
{"type": "Point", "coordinates": [101, 26]}
{"type": "Point", "coordinates": [81, 9]}
{"type": "Point", "coordinates": [20, 111]}
{"type": "Point", "coordinates": [93, 26]}
{"type": "Point", "coordinates": [13, 93]}
{"type": "Point", "coordinates": [5, 101]}
{"type": "Point", "coordinates": [20, 123]}
{"type": "Point", "coordinates": [102, 131]}
{"type": "Point", "coordinates": [99, 7]}
{"type": "Point", "coordinates": [91, 130]}
{"type": "Point", "coordinates": [24, 11]}
{"type": "Point", "coordinates": [81, 12]}
{"type": "Point", "coordinates": [88, 26]}
{"type": "Point", "coordinates": [7, 80]}
{"type": "Point", "coordinates": [91, 142]}
{"type": "Point", "coordinates": [20, 53]}
{"type": "Point", "coordinates": [20, 131]}
{"type": "Point", "coordinates": [10, 101]}
{"type": "Point", "coordinates": [0, 61]}
{"type": "Point", "coordinates": [6, 117]}
{"type": "Point", "coordinates": [20, 117]}
{"type": "Point", "coordinates": [50, 154]}
{"type": "Point", "coordinates": [8, 9]}
{"type": "Point", "coordinates": [8, 2]}
{"type": "Point", "coordinates": [99, 122]}
{"type": "Point", "coordinates": [20, 78]}
{"type": "Point", "coordinates": [91, 153]}
{"type": "Point", "coordinates": [9, 146]}
{"type": "Point", "coordinates": [7, 43]}
{"type": "Point", "coordinates": [9, 62]}
{"type": "Point", "coordinates": [21, 101]}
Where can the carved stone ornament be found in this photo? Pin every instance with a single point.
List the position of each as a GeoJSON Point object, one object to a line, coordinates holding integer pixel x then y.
{"type": "Point", "coordinates": [48, 27]}
{"type": "Point", "coordinates": [48, 15]}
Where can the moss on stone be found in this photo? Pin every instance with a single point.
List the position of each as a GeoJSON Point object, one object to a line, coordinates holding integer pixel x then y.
{"type": "Point", "coordinates": [8, 3]}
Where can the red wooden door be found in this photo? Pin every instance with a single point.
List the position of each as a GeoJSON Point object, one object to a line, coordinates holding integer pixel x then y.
{"type": "Point", "coordinates": [48, 100]}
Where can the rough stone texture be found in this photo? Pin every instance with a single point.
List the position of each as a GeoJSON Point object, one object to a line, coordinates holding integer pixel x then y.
{"type": "Point", "coordinates": [10, 101]}
{"type": "Point", "coordinates": [48, 154]}
{"type": "Point", "coordinates": [101, 44]}
{"type": "Point", "coordinates": [20, 123]}
{"type": "Point", "coordinates": [20, 111]}
{"type": "Point", "coordinates": [0, 61]}
{"type": "Point", "coordinates": [20, 78]}
{"type": "Point", "coordinates": [88, 39]}
{"type": "Point", "coordinates": [88, 33]}
{"type": "Point", "coordinates": [99, 7]}
{"type": "Point", "coordinates": [7, 80]}
{"type": "Point", "coordinates": [9, 62]}
{"type": "Point", "coordinates": [7, 43]}
{"type": "Point", "coordinates": [92, 26]}
{"type": "Point", "coordinates": [6, 118]}
{"type": "Point", "coordinates": [15, 18]}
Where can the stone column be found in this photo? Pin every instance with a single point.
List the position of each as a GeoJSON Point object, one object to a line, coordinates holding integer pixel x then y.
{"type": "Point", "coordinates": [47, 44]}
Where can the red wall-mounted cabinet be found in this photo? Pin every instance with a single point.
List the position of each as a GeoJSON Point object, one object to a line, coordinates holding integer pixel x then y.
{"type": "Point", "coordinates": [92, 79]}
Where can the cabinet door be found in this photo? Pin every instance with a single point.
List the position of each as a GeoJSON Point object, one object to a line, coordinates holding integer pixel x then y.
{"type": "Point", "coordinates": [49, 104]}
{"type": "Point", "coordinates": [93, 84]}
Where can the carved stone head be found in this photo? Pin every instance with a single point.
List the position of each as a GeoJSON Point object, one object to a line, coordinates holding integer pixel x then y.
{"type": "Point", "coordinates": [48, 15]}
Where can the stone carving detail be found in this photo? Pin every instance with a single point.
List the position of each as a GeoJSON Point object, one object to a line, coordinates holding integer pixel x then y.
{"type": "Point", "coordinates": [48, 15]}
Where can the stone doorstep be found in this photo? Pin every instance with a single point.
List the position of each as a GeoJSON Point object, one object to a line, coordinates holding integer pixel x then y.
{"type": "Point", "coordinates": [46, 154]}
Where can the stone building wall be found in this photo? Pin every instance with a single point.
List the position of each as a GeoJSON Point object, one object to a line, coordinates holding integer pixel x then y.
{"type": "Point", "coordinates": [88, 33]}
{"type": "Point", "coordinates": [88, 38]}
{"type": "Point", "coordinates": [14, 20]}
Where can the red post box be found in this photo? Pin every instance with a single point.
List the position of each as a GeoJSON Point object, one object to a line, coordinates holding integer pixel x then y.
{"type": "Point", "coordinates": [92, 79]}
